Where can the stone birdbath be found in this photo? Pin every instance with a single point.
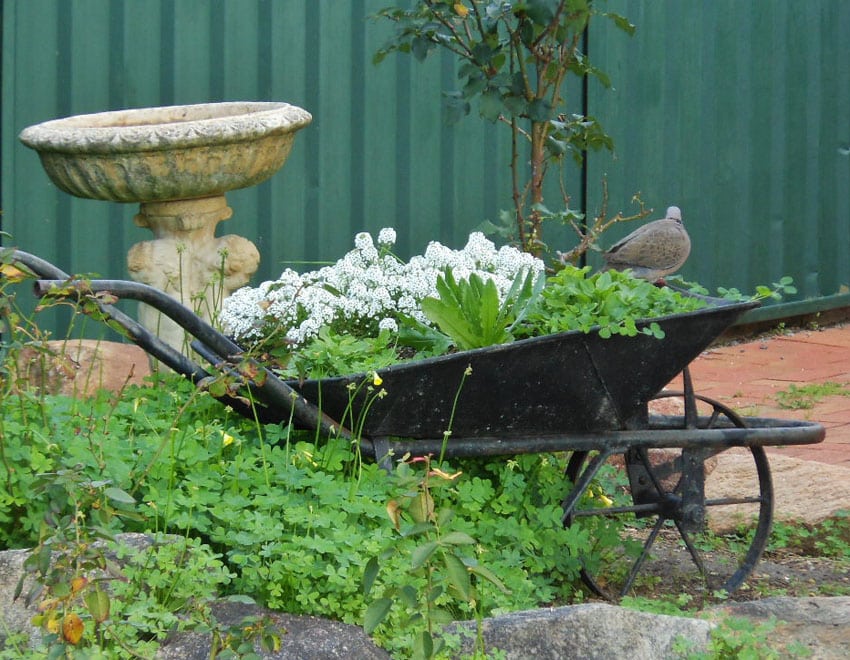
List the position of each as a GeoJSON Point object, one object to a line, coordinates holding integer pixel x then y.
{"type": "Point", "coordinates": [177, 163]}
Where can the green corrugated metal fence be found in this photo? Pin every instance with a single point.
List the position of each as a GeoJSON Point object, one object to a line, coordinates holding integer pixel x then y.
{"type": "Point", "coordinates": [737, 112]}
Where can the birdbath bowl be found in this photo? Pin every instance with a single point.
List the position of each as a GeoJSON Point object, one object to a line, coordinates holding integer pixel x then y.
{"type": "Point", "coordinates": [177, 162]}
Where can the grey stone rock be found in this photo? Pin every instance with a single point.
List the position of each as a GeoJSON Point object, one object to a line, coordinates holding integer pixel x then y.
{"type": "Point", "coordinates": [14, 615]}
{"type": "Point", "coordinates": [818, 627]}
{"type": "Point", "coordinates": [302, 637]}
{"type": "Point", "coordinates": [592, 631]}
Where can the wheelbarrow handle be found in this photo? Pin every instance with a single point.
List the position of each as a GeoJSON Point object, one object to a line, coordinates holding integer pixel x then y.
{"type": "Point", "coordinates": [273, 391]}
{"type": "Point", "coordinates": [137, 333]}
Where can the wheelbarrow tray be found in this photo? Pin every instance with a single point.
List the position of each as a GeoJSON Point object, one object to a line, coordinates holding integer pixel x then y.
{"type": "Point", "coordinates": [571, 382]}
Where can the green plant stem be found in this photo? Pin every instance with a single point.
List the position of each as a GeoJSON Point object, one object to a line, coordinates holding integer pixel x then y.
{"type": "Point", "coordinates": [447, 433]}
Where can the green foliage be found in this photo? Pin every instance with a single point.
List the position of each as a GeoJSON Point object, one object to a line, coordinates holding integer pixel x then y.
{"type": "Point", "coordinates": [295, 520]}
{"type": "Point", "coordinates": [469, 311]}
{"type": "Point", "coordinates": [806, 396]}
{"type": "Point", "coordinates": [289, 519]}
{"type": "Point", "coordinates": [334, 353]}
{"type": "Point", "coordinates": [95, 595]}
{"type": "Point", "coordinates": [678, 605]}
{"type": "Point", "coordinates": [738, 638]}
{"type": "Point", "coordinates": [612, 301]}
{"type": "Point", "coordinates": [469, 315]}
{"type": "Point", "coordinates": [733, 638]}
{"type": "Point", "coordinates": [828, 538]}
{"type": "Point", "coordinates": [513, 61]}
{"type": "Point", "coordinates": [785, 286]}
{"type": "Point", "coordinates": [441, 562]}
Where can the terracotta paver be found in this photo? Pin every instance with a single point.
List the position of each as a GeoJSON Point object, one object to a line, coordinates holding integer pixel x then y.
{"type": "Point", "coordinates": [748, 376]}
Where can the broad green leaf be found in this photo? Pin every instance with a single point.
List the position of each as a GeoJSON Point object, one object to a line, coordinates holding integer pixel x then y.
{"type": "Point", "coordinates": [621, 22]}
{"type": "Point", "coordinates": [420, 47]}
{"type": "Point", "coordinates": [489, 312]}
{"type": "Point", "coordinates": [375, 614]}
{"type": "Point", "coordinates": [433, 594]}
{"type": "Point", "coordinates": [458, 575]}
{"type": "Point", "coordinates": [369, 574]}
{"type": "Point", "coordinates": [118, 495]}
{"type": "Point", "coordinates": [539, 110]}
{"type": "Point", "coordinates": [540, 11]}
{"type": "Point", "coordinates": [450, 321]}
{"type": "Point", "coordinates": [421, 554]}
{"type": "Point", "coordinates": [490, 576]}
{"type": "Point", "coordinates": [490, 105]}
{"type": "Point", "coordinates": [409, 596]}
{"type": "Point", "coordinates": [423, 646]}
{"type": "Point", "coordinates": [97, 603]}
{"type": "Point", "coordinates": [458, 538]}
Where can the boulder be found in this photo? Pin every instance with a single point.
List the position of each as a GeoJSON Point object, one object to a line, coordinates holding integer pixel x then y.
{"type": "Point", "coordinates": [80, 367]}
{"type": "Point", "coordinates": [301, 637]}
{"type": "Point", "coordinates": [590, 631]}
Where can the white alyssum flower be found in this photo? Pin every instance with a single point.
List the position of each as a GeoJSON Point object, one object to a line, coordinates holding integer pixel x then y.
{"type": "Point", "coordinates": [387, 236]}
{"type": "Point", "coordinates": [366, 291]}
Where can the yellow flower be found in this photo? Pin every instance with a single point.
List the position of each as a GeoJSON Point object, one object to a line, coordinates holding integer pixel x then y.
{"type": "Point", "coordinates": [607, 501]}
{"type": "Point", "coordinates": [461, 9]}
{"type": "Point", "coordinates": [226, 439]}
{"type": "Point", "coordinates": [436, 472]}
{"type": "Point", "coordinates": [376, 379]}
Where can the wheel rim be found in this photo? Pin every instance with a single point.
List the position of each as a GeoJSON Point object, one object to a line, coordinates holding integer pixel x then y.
{"type": "Point", "coordinates": [648, 541]}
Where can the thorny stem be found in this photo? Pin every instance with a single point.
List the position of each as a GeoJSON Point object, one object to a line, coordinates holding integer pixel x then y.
{"type": "Point", "coordinates": [601, 223]}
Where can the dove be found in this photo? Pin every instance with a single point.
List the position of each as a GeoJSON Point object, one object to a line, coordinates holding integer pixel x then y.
{"type": "Point", "coordinates": [653, 250]}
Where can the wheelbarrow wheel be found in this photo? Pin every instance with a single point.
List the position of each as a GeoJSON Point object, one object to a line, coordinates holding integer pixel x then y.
{"type": "Point", "coordinates": [648, 537]}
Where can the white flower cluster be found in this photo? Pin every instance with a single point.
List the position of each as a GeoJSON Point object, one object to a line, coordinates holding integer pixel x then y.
{"type": "Point", "coordinates": [366, 290]}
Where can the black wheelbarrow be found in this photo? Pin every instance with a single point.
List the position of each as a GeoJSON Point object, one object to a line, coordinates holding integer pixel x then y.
{"type": "Point", "coordinates": [571, 392]}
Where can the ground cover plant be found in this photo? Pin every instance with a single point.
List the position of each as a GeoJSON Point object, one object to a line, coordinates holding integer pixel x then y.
{"type": "Point", "coordinates": [269, 514]}
{"type": "Point", "coordinates": [806, 396]}
{"type": "Point", "coordinates": [292, 523]}
{"type": "Point", "coordinates": [293, 520]}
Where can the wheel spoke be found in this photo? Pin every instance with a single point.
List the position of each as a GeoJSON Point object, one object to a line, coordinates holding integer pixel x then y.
{"type": "Point", "coordinates": [647, 546]}
{"type": "Point", "coordinates": [642, 544]}
{"type": "Point", "coordinates": [692, 549]}
{"type": "Point", "coordinates": [728, 501]}
{"type": "Point", "coordinates": [619, 510]}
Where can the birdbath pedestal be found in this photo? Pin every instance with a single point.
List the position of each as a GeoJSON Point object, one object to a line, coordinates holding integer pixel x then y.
{"type": "Point", "coordinates": [186, 260]}
{"type": "Point", "coordinates": [177, 162]}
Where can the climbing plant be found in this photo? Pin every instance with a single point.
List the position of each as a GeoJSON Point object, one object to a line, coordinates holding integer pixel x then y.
{"type": "Point", "coordinates": [513, 62]}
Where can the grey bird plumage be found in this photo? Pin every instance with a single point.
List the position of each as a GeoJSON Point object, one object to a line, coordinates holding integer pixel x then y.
{"type": "Point", "coordinates": [653, 250]}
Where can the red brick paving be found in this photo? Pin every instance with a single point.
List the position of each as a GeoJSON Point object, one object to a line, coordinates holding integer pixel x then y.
{"type": "Point", "coordinates": [748, 376]}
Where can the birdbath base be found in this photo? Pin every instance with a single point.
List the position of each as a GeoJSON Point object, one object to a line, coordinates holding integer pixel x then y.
{"type": "Point", "coordinates": [187, 261]}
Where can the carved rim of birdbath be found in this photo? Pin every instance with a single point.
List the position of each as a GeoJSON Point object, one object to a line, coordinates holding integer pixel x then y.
{"type": "Point", "coordinates": [166, 153]}
{"type": "Point", "coordinates": [176, 162]}
{"type": "Point", "coordinates": [167, 127]}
